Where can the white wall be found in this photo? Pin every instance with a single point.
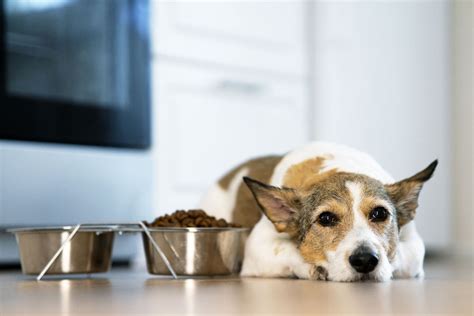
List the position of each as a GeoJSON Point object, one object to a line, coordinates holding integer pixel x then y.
{"type": "Point", "coordinates": [462, 127]}
{"type": "Point", "coordinates": [381, 84]}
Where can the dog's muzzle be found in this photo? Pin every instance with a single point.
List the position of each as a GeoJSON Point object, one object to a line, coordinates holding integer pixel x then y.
{"type": "Point", "coordinates": [364, 259]}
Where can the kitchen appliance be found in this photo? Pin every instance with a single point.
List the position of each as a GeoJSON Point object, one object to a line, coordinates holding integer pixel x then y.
{"type": "Point", "coordinates": [74, 116]}
{"type": "Point", "coordinates": [75, 71]}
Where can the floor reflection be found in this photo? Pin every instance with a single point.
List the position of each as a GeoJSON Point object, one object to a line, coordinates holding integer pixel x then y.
{"type": "Point", "coordinates": [65, 296]}
{"type": "Point", "coordinates": [190, 296]}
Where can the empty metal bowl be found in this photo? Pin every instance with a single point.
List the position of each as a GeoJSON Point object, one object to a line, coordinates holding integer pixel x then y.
{"type": "Point", "coordinates": [196, 251]}
{"type": "Point", "coordinates": [89, 251]}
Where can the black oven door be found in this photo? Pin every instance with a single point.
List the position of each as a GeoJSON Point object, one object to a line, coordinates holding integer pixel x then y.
{"type": "Point", "coordinates": [75, 72]}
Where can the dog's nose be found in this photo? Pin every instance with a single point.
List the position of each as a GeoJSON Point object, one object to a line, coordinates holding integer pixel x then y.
{"type": "Point", "coordinates": [364, 260]}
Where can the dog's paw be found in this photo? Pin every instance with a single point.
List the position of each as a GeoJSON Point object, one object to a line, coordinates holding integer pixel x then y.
{"type": "Point", "coordinates": [420, 275]}
{"type": "Point", "coordinates": [319, 273]}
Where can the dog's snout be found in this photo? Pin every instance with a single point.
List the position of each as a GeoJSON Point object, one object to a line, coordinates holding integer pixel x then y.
{"type": "Point", "coordinates": [364, 260]}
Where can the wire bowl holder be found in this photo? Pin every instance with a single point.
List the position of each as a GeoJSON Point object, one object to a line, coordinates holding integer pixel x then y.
{"type": "Point", "coordinates": [138, 227]}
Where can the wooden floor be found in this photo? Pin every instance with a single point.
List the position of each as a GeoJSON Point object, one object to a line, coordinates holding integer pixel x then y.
{"type": "Point", "coordinates": [447, 289]}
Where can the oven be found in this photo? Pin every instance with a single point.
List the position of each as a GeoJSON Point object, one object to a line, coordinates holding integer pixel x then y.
{"type": "Point", "coordinates": [75, 72]}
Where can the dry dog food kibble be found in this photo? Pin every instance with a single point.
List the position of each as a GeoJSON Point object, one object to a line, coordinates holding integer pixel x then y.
{"type": "Point", "coordinates": [191, 218]}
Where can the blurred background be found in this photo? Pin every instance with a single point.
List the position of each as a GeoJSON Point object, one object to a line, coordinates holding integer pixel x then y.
{"type": "Point", "coordinates": [121, 110]}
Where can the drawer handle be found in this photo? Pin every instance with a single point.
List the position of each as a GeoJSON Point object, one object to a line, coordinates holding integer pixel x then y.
{"type": "Point", "coordinates": [241, 87]}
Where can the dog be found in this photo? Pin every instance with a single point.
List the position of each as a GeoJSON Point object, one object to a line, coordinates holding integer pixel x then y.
{"type": "Point", "coordinates": [323, 212]}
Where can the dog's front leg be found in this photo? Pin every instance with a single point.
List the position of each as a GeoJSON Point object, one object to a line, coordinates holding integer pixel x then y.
{"type": "Point", "coordinates": [286, 262]}
{"type": "Point", "coordinates": [301, 269]}
{"type": "Point", "coordinates": [272, 254]}
{"type": "Point", "coordinates": [410, 254]}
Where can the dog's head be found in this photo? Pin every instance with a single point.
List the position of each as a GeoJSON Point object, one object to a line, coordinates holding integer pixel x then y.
{"type": "Point", "coordinates": [344, 224]}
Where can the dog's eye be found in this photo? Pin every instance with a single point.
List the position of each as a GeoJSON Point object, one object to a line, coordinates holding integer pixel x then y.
{"type": "Point", "coordinates": [327, 219]}
{"type": "Point", "coordinates": [378, 214]}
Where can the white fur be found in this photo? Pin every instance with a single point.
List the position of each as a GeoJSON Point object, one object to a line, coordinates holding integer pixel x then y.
{"type": "Point", "coordinates": [408, 262]}
{"type": "Point", "coordinates": [220, 202]}
{"type": "Point", "coordinates": [277, 255]}
{"type": "Point", "coordinates": [272, 254]}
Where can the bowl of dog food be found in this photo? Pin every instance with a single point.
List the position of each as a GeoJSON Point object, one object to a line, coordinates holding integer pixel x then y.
{"type": "Point", "coordinates": [52, 250]}
{"type": "Point", "coordinates": [194, 244]}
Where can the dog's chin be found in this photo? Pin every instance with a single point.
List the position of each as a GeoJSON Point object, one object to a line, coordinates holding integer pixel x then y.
{"type": "Point", "coordinates": [361, 277]}
{"type": "Point", "coordinates": [341, 271]}
{"type": "Point", "coordinates": [349, 275]}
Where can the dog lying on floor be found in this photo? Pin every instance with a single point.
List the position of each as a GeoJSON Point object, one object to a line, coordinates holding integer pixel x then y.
{"type": "Point", "coordinates": [330, 213]}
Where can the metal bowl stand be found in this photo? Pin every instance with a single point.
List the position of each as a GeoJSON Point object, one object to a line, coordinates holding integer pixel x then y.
{"type": "Point", "coordinates": [129, 228]}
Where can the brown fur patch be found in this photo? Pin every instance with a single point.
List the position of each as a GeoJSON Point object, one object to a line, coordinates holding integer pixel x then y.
{"type": "Point", "coordinates": [246, 211]}
{"type": "Point", "coordinates": [306, 173]}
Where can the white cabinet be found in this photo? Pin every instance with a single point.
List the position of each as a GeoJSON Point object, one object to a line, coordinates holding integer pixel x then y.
{"type": "Point", "coordinates": [230, 83]}
{"type": "Point", "coordinates": [209, 120]}
{"type": "Point", "coordinates": [387, 93]}
{"type": "Point", "coordinates": [261, 35]}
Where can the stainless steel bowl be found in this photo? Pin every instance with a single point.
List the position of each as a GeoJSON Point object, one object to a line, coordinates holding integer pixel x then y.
{"type": "Point", "coordinates": [88, 252]}
{"type": "Point", "coordinates": [196, 251]}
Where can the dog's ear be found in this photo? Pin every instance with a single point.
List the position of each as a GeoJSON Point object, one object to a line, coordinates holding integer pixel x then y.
{"type": "Point", "coordinates": [279, 205]}
{"type": "Point", "coordinates": [404, 194]}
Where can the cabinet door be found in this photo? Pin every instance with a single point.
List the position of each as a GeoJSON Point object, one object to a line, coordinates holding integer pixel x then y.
{"type": "Point", "coordinates": [208, 121]}
{"type": "Point", "coordinates": [259, 34]}
{"type": "Point", "coordinates": [390, 99]}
